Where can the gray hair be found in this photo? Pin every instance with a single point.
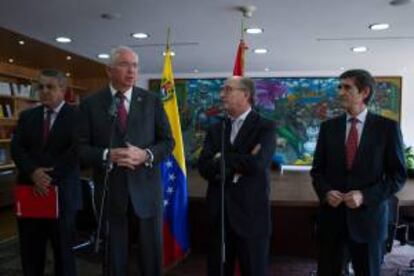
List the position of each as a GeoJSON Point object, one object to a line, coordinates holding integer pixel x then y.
{"type": "Point", "coordinates": [247, 84]}
{"type": "Point", "coordinates": [115, 52]}
{"type": "Point", "coordinates": [56, 74]}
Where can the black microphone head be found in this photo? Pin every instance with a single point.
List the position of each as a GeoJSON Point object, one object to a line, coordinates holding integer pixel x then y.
{"type": "Point", "coordinates": [113, 108]}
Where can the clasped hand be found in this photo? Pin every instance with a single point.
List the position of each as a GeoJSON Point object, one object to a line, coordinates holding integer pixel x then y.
{"type": "Point", "coordinates": [352, 199]}
{"type": "Point", "coordinates": [129, 157]}
{"type": "Point", "coordinates": [42, 181]}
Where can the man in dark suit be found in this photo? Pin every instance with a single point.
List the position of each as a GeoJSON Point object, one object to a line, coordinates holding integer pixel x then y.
{"type": "Point", "coordinates": [44, 150]}
{"type": "Point", "coordinates": [358, 164]}
{"type": "Point", "coordinates": [248, 149]}
{"type": "Point", "coordinates": [141, 139]}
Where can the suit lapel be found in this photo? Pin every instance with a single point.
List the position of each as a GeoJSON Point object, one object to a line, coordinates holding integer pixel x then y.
{"type": "Point", "coordinates": [366, 136]}
{"type": "Point", "coordinates": [340, 134]}
{"type": "Point", "coordinates": [38, 133]}
{"type": "Point", "coordinates": [106, 103]}
{"type": "Point", "coordinates": [248, 124]}
{"type": "Point", "coordinates": [57, 125]}
{"type": "Point", "coordinates": [135, 114]}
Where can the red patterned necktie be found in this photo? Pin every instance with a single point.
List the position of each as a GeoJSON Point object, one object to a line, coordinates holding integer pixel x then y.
{"type": "Point", "coordinates": [122, 112]}
{"type": "Point", "coordinates": [46, 124]}
{"type": "Point", "coordinates": [351, 143]}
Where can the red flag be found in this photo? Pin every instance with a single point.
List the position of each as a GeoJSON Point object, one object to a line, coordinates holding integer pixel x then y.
{"type": "Point", "coordinates": [238, 69]}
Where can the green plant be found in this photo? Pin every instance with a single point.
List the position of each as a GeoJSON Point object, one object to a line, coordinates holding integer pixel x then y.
{"type": "Point", "coordinates": [409, 157]}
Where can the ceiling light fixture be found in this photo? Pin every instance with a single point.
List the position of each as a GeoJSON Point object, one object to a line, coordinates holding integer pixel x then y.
{"type": "Point", "coordinates": [267, 69]}
{"type": "Point", "coordinates": [172, 53]}
{"type": "Point", "coordinates": [21, 42]}
{"type": "Point", "coordinates": [63, 39]}
{"type": "Point", "coordinates": [103, 56]}
{"type": "Point", "coordinates": [254, 30]}
{"type": "Point", "coordinates": [68, 58]}
{"type": "Point", "coordinates": [260, 51]}
{"type": "Point", "coordinates": [140, 35]}
{"type": "Point", "coordinates": [359, 49]}
{"type": "Point", "coordinates": [68, 74]}
{"type": "Point", "coordinates": [11, 60]}
{"type": "Point", "coordinates": [195, 70]}
{"type": "Point", "coordinates": [379, 26]}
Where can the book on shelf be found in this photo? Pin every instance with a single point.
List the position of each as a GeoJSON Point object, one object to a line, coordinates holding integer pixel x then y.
{"type": "Point", "coordinates": [8, 111]}
{"type": "Point", "coordinates": [5, 88]}
{"type": "Point", "coordinates": [1, 112]}
{"type": "Point", "coordinates": [15, 89]}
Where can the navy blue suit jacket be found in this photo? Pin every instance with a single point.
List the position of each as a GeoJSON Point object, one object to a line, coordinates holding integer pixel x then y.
{"type": "Point", "coordinates": [59, 152]}
{"type": "Point", "coordinates": [247, 201]}
{"type": "Point", "coordinates": [378, 171]}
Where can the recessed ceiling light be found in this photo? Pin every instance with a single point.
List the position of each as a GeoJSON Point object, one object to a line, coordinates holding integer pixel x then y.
{"type": "Point", "coordinates": [68, 57]}
{"type": "Point", "coordinates": [260, 51]}
{"type": "Point", "coordinates": [172, 53]}
{"type": "Point", "coordinates": [342, 68]}
{"type": "Point", "coordinates": [140, 35]}
{"type": "Point", "coordinates": [21, 42]}
{"type": "Point", "coordinates": [68, 74]}
{"type": "Point", "coordinates": [62, 39]}
{"type": "Point", "coordinates": [379, 26]}
{"type": "Point", "coordinates": [359, 49]}
{"type": "Point", "coordinates": [11, 60]}
{"type": "Point", "coordinates": [267, 69]}
{"type": "Point", "coordinates": [103, 56]}
{"type": "Point", "coordinates": [196, 70]}
{"type": "Point", "coordinates": [254, 30]}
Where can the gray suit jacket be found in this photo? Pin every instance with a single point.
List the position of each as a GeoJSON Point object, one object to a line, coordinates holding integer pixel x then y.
{"type": "Point", "coordinates": [147, 127]}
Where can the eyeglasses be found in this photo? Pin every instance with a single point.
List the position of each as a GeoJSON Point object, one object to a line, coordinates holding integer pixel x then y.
{"type": "Point", "coordinates": [127, 65]}
{"type": "Point", "coordinates": [48, 86]}
{"type": "Point", "coordinates": [229, 89]}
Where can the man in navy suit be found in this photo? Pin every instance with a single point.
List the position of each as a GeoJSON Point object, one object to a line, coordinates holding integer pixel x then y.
{"type": "Point", "coordinates": [44, 150]}
{"type": "Point", "coordinates": [358, 164]}
{"type": "Point", "coordinates": [141, 139]}
{"type": "Point", "coordinates": [249, 144]}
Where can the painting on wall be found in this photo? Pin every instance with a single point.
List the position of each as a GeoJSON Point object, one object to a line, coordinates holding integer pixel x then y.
{"type": "Point", "coordinates": [297, 105]}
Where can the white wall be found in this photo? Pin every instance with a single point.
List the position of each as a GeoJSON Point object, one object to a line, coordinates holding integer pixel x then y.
{"type": "Point", "coordinates": [407, 110]}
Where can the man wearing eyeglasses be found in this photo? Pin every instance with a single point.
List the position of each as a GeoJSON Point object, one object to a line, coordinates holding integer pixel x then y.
{"type": "Point", "coordinates": [44, 150]}
{"type": "Point", "coordinates": [124, 129]}
{"type": "Point", "coordinates": [249, 144]}
{"type": "Point", "coordinates": [358, 164]}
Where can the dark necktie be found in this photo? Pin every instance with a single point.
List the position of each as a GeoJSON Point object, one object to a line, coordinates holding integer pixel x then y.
{"type": "Point", "coordinates": [47, 124]}
{"type": "Point", "coordinates": [122, 112]}
{"type": "Point", "coordinates": [351, 143]}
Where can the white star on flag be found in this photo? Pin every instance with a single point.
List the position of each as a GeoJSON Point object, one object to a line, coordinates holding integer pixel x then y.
{"type": "Point", "coordinates": [170, 190]}
{"type": "Point", "coordinates": [165, 203]}
{"type": "Point", "coordinates": [169, 164]}
{"type": "Point", "coordinates": [171, 177]}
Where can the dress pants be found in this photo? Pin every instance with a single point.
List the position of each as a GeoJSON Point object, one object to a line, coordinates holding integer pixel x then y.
{"type": "Point", "coordinates": [123, 229]}
{"type": "Point", "coordinates": [336, 250]}
{"type": "Point", "coordinates": [251, 254]}
{"type": "Point", "coordinates": [34, 234]}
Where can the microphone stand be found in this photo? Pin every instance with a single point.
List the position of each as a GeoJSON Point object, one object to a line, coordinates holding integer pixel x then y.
{"type": "Point", "coordinates": [108, 166]}
{"type": "Point", "coordinates": [223, 182]}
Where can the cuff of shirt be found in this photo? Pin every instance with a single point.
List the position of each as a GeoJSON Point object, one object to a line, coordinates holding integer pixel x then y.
{"type": "Point", "coordinates": [106, 160]}
{"type": "Point", "coordinates": [148, 162]}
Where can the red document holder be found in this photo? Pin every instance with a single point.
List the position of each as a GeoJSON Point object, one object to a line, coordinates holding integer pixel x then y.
{"type": "Point", "coordinates": [28, 205]}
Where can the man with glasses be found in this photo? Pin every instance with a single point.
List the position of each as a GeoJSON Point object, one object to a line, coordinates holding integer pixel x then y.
{"type": "Point", "coordinates": [124, 129]}
{"type": "Point", "coordinates": [358, 164]}
{"type": "Point", "coordinates": [249, 144]}
{"type": "Point", "coordinates": [44, 150]}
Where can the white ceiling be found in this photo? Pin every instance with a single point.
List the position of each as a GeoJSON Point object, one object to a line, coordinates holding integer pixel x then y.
{"type": "Point", "coordinates": [293, 30]}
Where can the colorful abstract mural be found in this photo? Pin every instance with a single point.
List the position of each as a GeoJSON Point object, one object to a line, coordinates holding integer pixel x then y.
{"type": "Point", "coordinates": [297, 105]}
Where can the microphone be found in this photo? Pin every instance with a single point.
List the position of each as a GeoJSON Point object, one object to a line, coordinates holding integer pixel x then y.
{"type": "Point", "coordinates": [113, 108]}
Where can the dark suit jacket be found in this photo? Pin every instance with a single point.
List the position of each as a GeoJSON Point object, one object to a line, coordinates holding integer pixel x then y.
{"type": "Point", "coordinates": [147, 127]}
{"type": "Point", "coordinates": [378, 171]}
{"type": "Point", "coordinates": [29, 152]}
{"type": "Point", "coordinates": [247, 201]}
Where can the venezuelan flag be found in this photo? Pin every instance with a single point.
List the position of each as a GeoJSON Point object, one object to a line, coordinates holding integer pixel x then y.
{"type": "Point", "coordinates": [174, 177]}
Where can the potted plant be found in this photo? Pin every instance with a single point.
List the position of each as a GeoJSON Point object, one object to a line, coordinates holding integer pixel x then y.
{"type": "Point", "coordinates": [409, 160]}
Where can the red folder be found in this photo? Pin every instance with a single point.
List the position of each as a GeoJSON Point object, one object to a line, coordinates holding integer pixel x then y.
{"type": "Point", "coordinates": [28, 205]}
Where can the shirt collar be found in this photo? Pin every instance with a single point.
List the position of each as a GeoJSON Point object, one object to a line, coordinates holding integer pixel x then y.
{"type": "Point", "coordinates": [243, 116]}
{"type": "Point", "coordinates": [361, 116]}
{"type": "Point", "coordinates": [55, 110]}
{"type": "Point", "coordinates": [127, 93]}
